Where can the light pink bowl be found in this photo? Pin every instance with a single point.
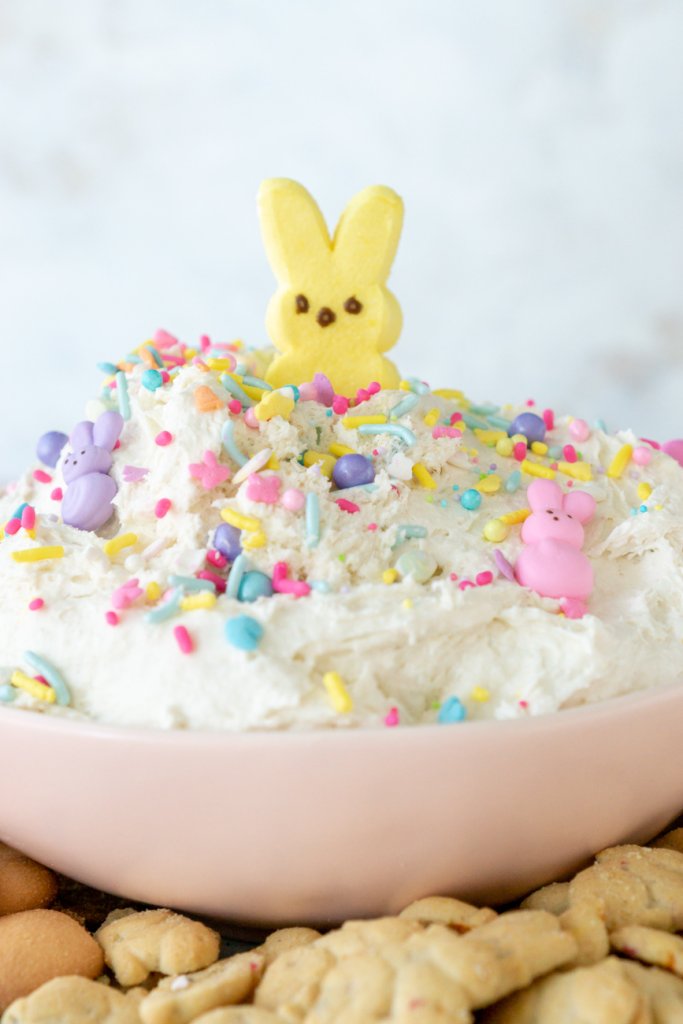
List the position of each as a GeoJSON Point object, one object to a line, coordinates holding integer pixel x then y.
{"type": "Point", "coordinates": [321, 826]}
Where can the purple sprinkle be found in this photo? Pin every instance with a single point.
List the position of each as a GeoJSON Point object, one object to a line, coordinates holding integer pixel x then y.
{"type": "Point", "coordinates": [503, 565]}
{"type": "Point", "coordinates": [133, 474]}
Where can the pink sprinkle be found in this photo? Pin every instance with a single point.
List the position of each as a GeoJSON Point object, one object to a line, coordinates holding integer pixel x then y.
{"type": "Point", "coordinates": [163, 438]}
{"type": "Point", "coordinates": [465, 584]}
{"type": "Point", "coordinates": [235, 406]}
{"type": "Point", "coordinates": [162, 507]}
{"type": "Point", "coordinates": [524, 704]}
{"type": "Point", "coordinates": [453, 576]}
{"type": "Point", "coordinates": [549, 419]}
{"type": "Point", "coordinates": [392, 718]}
{"type": "Point", "coordinates": [216, 559]}
{"type": "Point", "coordinates": [250, 419]}
{"type": "Point", "coordinates": [283, 585]}
{"type": "Point", "coordinates": [183, 639]}
{"type": "Point", "coordinates": [579, 430]}
{"type": "Point", "coordinates": [218, 581]}
{"type": "Point", "coordinates": [641, 456]}
{"type": "Point", "coordinates": [362, 396]}
{"type": "Point", "coordinates": [340, 405]}
{"type": "Point", "coordinates": [134, 474]}
{"type": "Point", "coordinates": [372, 526]}
{"type": "Point", "coordinates": [28, 518]}
{"type": "Point", "coordinates": [442, 431]}
{"type": "Point", "coordinates": [205, 342]}
{"type": "Point", "coordinates": [117, 446]}
{"type": "Point", "coordinates": [374, 388]}
{"type": "Point", "coordinates": [456, 417]}
{"type": "Point", "coordinates": [347, 506]}
{"type": "Point", "coordinates": [112, 618]}
{"type": "Point", "coordinates": [519, 451]}
{"type": "Point", "coordinates": [41, 476]}
{"type": "Point", "coordinates": [42, 679]}
{"type": "Point", "coordinates": [569, 452]}
{"type": "Point", "coordinates": [36, 604]}
{"type": "Point", "coordinates": [127, 593]}
{"type": "Point", "coordinates": [530, 402]}
{"type": "Point", "coordinates": [653, 444]}
{"type": "Point", "coordinates": [482, 579]}
{"type": "Point", "coordinates": [293, 499]}
{"type": "Point", "coordinates": [12, 527]}
{"type": "Point", "coordinates": [57, 494]}
{"type": "Point", "coordinates": [162, 339]}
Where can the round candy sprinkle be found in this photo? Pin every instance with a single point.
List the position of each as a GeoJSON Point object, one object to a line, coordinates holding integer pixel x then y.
{"type": "Point", "coordinates": [227, 540]}
{"type": "Point", "coordinates": [392, 718]}
{"type": "Point", "coordinates": [353, 471]}
{"type": "Point", "coordinates": [482, 579]}
{"type": "Point", "coordinates": [49, 447]}
{"type": "Point", "coordinates": [293, 500]}
{"type": "Point", "coordinates": [162, 507]}
{"type": "Point", "coordinates": [452, 710]}
{"type": "Point", "coordinates": [529, 424]}
{"type": "Point", "coordinates": [579, 430]}
{"type": "Point", "coordinates": [642, 456]}
{"type": "Point", "coordinates": [36, 604]}
{"type": "Point", "coordinates": [243, 632]}
{"type": "Point", "coordinates": [112, 618]}
{"type": "Point", "coordinates": [254, 585]}
{"type": "Point", "coordinates": [152, 379]}
{"type": "Point", "coordinates": [496, 531]}
{"type": "Point", "coordinates": [163, 439]}
{"type": "Point", "coordinates": [470, 499]}
{"type": "Point", "coordinates": [420, 565]}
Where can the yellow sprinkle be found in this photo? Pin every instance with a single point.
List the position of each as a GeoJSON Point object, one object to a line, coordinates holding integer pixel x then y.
{"type": "Point", "coordinates": [358, 421]}
{"type": "Point", "coordinates": [491, 437]}
{"type": "Point", "coordinates": [153, 592]}
{"type": "Point", "coordinates": [38, 554]}
{"type": "Point", "coordinates": [505, 446]}
{"type": "Point", "coordinates": [189, 354]}
{"type": "Point", "coordinates": [536, 469]}
{"type": "Point", "coordinates": [238, 519]}
{"type": "Point", "coordinates": [539, 447]}
{"type": "Point", "coordinates": [254, 540]}
{"type": "Point", "coordinates": [203, 599]}
{"type": "Point", "coordinates": [518, 516]}
{"type": "Point", "coordinates": [658, 508]}
{"type": "Point", "coordinates": [273, 462]}
{"type": "Point", "coordinates": [432, 417]}
{"type": "Point", "coordinates": [390, 575]}
{"type": "Point", "coordinates": [578, 470]}
{"type": "Point", "coordinates": [31, 533]}
{"type": "Point", "coordinates": [116, 544]}
{"type": "Point", "coordinates": [423, 476]}
{"type": "Point", "coordinates": [620, 461]}
{"type": "Point", "coordinates": [481, 694]}
{"type": "Point", "coordinates": [407, 603]}
{"type": "Point", "coordinates": [253, 392]}
{"type": "Point", "coordinates": [340, 449]}
{"type": "Point", "coordinates": [490, 484]}
{"type": "Point", "coordinates": [337, 692]}
{"type": "Point", "coordinates": [519, 439]}
{"type": "Point", "coordinates": [644, 491]}
{"type": "Point", "coordinates": [273, 403]}
{"type": "Point", "coordinates": [33, 687]}
{"type": "Point", "coordinates": [448, 393]}
{"type": "Point", "coordinates": [326, 462]}
{"type": "Point", "coordinates": [219, 364]}
{"type": "Point", "coordinates": [404, 385]}
{"type": "Point", "coordinates": [496, 530]}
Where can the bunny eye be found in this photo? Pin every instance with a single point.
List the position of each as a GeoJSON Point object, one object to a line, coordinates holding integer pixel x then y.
{"type": "Point", "coordinates": [353, 306]}
{"type": "Point", "coordinates": [569, 517]}
{"type": "Point", "coordinates": [301, 304]}
{"type": "Point", "coordinates": [83, 452]}
{"type": "Point", "coordinates": [548, 511]}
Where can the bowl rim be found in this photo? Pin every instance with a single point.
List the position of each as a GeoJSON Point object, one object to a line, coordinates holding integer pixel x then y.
{"type": "Point", "coordinates": [554, 721]}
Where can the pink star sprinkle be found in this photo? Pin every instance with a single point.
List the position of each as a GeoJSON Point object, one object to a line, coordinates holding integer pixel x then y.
{"type": "Point", "coordinates": [210, 472]}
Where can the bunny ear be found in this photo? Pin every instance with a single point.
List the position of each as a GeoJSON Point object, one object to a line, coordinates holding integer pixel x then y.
{"type": "Point", "coordinates": [294, 232]}
{"type": "Point", "coordinates": [579, 504]}
{"type": "Point", "coordinates": [107, 430]}
{"type": "Point", "coordinates": [82, 434]}
{"type": "Point", "coordinates": [544, 494]}
{"type": "Point", "coordinates": [367, 234]}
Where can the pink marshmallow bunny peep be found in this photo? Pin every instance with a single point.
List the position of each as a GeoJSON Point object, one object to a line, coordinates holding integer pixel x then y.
{"type": "Point", "coordinates": [552, 563]}
{"type": "Point", "coordinates": [87, 501]}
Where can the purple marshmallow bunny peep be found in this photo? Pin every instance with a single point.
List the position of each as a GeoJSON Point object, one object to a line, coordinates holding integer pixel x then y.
{"type": "Point", "coordinates": [87, 503]}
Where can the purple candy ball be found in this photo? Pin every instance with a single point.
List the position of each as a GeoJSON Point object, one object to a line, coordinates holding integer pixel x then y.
{"type": "Point", "coordinates": [227, 540]}
{"type": "Point", "coordinates": [49, 447]}
{"type": "Point", "coordinates": [529, 424]}
{"type": "Point", "coordinates": [352, 471]}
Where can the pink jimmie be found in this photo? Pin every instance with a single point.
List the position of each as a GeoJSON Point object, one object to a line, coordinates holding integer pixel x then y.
{"type": "Point", "coordinates": [552, 563]}
{"type": "Point", "coordinates": [283, 585]}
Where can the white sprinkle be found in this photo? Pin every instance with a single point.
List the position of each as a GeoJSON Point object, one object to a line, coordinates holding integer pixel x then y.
{"type": "Point", "coordinates": [257, 462]}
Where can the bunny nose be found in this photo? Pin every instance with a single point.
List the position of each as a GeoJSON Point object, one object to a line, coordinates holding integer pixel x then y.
{"type": "Point", "coordinates": [326, 316]}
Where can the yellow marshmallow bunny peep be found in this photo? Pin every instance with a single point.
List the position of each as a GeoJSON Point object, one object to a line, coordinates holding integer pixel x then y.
{"type": "Point", "coordinates": [332, 312]}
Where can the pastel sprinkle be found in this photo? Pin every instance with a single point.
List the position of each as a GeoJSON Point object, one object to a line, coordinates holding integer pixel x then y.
{"type": "Point", "coordinates": [423, 476]}
{"type": "Point", "coordinates": [283, 585]}
{"type": "Point", "coordinates": [353, 422]}
{"type": "Point", "coordinates": [490, 484]}
{"type": "Point", "coordinates": [28, 518]}
{"type": "Point", "coordinates": [183, 639]}
{"type": "Point", "coordinates": [12, 527]}
{"type": "Point", "coordinates": [496, 530]}
{"type": "Point", "coordinates": [253, 465]}
{"type": "Point", "coordinates": [57, 494]}
{"type": "Point", "coordinates": [168, 609]}
{"type": "Point", "coordinates": [389, 576]}
{"type": "Point", "coordinates": [202, 601]}
{"type": "Point", "coordinates": [642, 456]}
{"type": "Point", "coordinates": [340, 449]}
{"type": "Point", "coordinates": [337, 693]}
{"type": "Point", "coordinates": [111, 618]}
{"type": "Point", "coordinates": [620, 462]}
{"type": "Point", "coordinates": [162, 507]}
{"type": "Point", "coordinates": [569, 453]}
{"type": "Point", "coordinates": [482, 579]}
{"type": "Point", "coordinates": [54, 678]}
{"type": "Point", "coordinates": [347, 506]}
{"type": "Point", "coordinates": [242, 522]}
{"type": "Point", "coordinates": [122, 395]}
{"type": "Point", "coordinates": [152, 380]}
{"type": "Point", "coordinates": [452, 710]}
{"type": "Point", "coordinates": [470, 499]}
{"type": "Point", "coordinates": [36, 604]}
{"type": "Point", "coordinates": [392, 718]}
{"type": "Point", "coordinates": [312, 520]}
{"type": "Point", "coordinates": [133, 474]}
{"type": "Point", "coordinates": [40, 554]}
{"type": "Point", "coordinates": [644, 491]}
{"type": "Point", "coordinates": [7, 693]}
{"type": "Point", "coordinates": [33, 687]}
{"type": "Point", "coordinates": [163, 439]}
{"type": "Point", "coordinates": [230, 445]}
{"type": "Point", "coordinates": [480, 694]}
{"type": "Point", "coordinates": [116, 544]}
{"type": "Point", "coordinates": [538, 470]}
{"type": "Point", "coordinates": [516, 516]}
{"type": "Point", "coordinates": [404, 406]}
{"type": "Point", "coordinates": [293, 500]}
{"type": "Point", "coordinates": [41, 476]}
{"type": "Point", "coordinates": [239, 567]}
{"type": "Point", "coordinates": [407, 436]}
{"type": "Point", "coordinates": [231, 385]}
{"type": "Point", "coordinates": [244, 632]}
{"type": "Point", "coordinates": [577, 470]}
{"type": "Point", "coordinates": [408, 531]}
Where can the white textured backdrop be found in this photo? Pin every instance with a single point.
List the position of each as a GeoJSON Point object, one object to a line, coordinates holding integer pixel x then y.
{"type": "Point", "coordinates": [538, 147]}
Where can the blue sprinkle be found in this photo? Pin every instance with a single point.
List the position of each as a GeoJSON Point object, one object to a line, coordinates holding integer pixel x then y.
{"type": "Point", "coordinates": [475, 421]}
{"type": "Point", "coordinates": [230, 445]}
{"type": "Point", "coordinates": [243, 632]}
{"type": "Point", "coordinates": [53, 677]}
{"type": "Point", "coordinates": [240, 368]}
{"type": "Point", "coordinates": [166, 610]}
{"type": "Point", "coordinates": [443, 503]}
{"type": "Point", "coordinates": [407, 531]}
{"type": "Point", "coordinates": [484, 410]}
{"type": "Point", "coordinates": [456, 487]}
{"type": "Point", "coordinates": [152, 379]}
{"type": "Point", "coordinates": [236, 391]}
{"type": "Point", "coordinates": [256, 382]}
{"type": "Point", "coordinates": [470, 499]}
{"type": "Point", "coordinates": [633, 511]}
{"type": "Point", "coordinates": [452, 710]}
{"type": "Point", "coordinates": [513, 481]}
{"type": "Point", "coordinates": [17, 514]}
{"type": "Point", "coordinates": [312, 520]}
{"type": "Point", "coordinates": [389, 428]}
{"type": "Point", "coordinates": [192, 584]}
{"type": "Point", "coordinates": [418, 386]}
{"type": "Point", "coordinates": [499, 422]}
{"type": "Point", "coordinates": [109, 368]}
{"type": "Point", "coordinates": [555, 452]}
{"type": "Point", "coordinates": [239, 567]}
{"type": "Point", "coordinates": [155, 355]}
{"type": "Point", "coordinates": [133, 358]}
{"type": "Point", "coordinates": [122, 395]}
{"type": "Point", "coordinates": [328, 412]}
{"type": "Point", "coordinates": [7, 693]}
{"type": "Point", "coordinates": [404, 406]}
{"type": "Point", "coordinates": [322, 586]}
{"type": "Point", "coordinates": [643, 508]}
{"type": "Point", "coordinates": [601, 425]}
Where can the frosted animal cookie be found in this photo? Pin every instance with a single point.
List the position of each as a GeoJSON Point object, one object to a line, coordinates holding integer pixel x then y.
{"type": "Point", "coordinates": [87, 503]}
{"type": "Point", "coordinates": [24, 885]}
{"type": "Point", "coordinates": [332, 313]}
{"type": "Point", "coordinates": [181, 999]}
{"type": "Point", "coordinates": [551, 562]}
{"type": "Point", "coordinates": [461, 917]}
{"type": "Point", "coordinates": [38, 945]}
{"type": "Point", "coordinates": [75, 1000]}
{"type": "Point", "coordinates": [155, 940]}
